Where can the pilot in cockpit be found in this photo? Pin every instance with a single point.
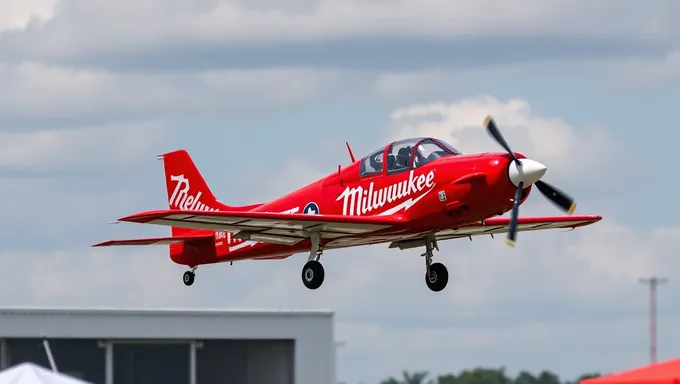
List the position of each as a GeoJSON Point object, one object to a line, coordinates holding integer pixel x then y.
{"type": "Point", "coordinates": [404, 157]}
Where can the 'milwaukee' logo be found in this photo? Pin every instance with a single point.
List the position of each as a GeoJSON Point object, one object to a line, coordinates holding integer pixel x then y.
{"type": "Point", "coordinates": [181, 199]}
{"type": "Point", "coordinates": [358, 201]}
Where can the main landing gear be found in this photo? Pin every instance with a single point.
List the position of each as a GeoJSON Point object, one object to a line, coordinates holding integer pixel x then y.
{"type": "Point", "coordinates": [189, 277]}
{"type": "Point", "coordinates": [436, 275]}
{"type": "Point", "coordinates": [313, 272]}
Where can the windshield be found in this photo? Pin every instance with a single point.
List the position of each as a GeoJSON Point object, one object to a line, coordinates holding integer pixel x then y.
{"type": "Point", "coordinates": [405, 154]}
{"type": "Point", "coordinates": [428, 150]}
{"type": "Point", "coordinates": [449, 147]}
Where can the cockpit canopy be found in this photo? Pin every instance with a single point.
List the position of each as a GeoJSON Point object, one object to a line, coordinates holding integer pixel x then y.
{"type": "Point", "coordinates": [405, 154]}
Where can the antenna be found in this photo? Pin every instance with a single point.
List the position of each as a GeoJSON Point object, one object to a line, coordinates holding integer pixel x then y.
{"type": "Point", "coordinates": [351, 155]}
{"type": "Point", "coordinates": [653, 282]}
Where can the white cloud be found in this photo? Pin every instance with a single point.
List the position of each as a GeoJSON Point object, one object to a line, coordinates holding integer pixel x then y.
{"type": "Point", "coordinates": [58, 182]}
{"type": "Point", "coordinates": [230, 21]}
{"type": "Point", "coordinates": [563, 148]}
{"type": "Point", "coordinates": [647, 72]}
{"type": "Point", "coordinates": [416, 85]}
{"type": "Point", "coordinates": [614, 252]}
{"type": "Point", "coordinates": [79, 148]}
{"type": "Point", "coordinates": [431, 84]}
{"type": "Point", "coordinates": [91, 277]}
{"type": "Point", "coordinates": [32, 88]}
{"type": "Point", "coordinates": [19, 14]}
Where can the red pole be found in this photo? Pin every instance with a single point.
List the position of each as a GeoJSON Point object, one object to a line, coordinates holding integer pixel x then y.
{"type": "Point", "coordinates": [652, 282]}
{"type": "Point", "coordinates": [652, 321]}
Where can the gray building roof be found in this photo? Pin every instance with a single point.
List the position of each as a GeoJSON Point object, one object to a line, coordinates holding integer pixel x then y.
{"type": "Point", "coordinates": [119, 323]}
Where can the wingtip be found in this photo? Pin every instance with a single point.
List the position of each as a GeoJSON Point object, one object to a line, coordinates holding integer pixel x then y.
{"type": "Point", "coordinates": [141, 217]}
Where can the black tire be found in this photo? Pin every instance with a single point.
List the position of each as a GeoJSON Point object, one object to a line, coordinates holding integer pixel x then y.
{"type": "Point", "coordinates": [437, 278]}
{"type": "Point", "coordinates": [313, 274]}
{"type": "Point", "coordinates": [188, 278]}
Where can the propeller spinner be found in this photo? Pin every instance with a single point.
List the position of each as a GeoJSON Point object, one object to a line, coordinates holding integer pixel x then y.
{"type": "Point", "coordinates": [524, 173]}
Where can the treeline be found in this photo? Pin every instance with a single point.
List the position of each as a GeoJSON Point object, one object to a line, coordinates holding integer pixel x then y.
{"type": "Point", "coordinates": [484, 376]}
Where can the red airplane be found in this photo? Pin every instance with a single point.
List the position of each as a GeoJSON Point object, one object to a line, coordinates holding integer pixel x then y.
{"type": "Point", "coordinates": [425, 191]}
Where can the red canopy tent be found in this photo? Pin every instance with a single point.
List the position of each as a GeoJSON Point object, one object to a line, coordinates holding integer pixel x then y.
{"type": "Point", "coordinates": [667, 372]}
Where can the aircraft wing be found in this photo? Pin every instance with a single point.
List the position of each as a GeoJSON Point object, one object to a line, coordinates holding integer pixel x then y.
{"type": "Point", "coordinates": [277, 228]}
{"type": "Point", "coordinates": [492, 226]}
{"type": "Point", "coordinates": [499, 225]}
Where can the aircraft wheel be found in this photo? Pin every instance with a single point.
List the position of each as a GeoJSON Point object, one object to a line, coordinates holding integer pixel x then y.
{"type": "Point", "coordinates": [313, 274]}
{"type": "Point", "coordinates": [437, 278]}
{"type": "Point", "coordinates": [188, 278]}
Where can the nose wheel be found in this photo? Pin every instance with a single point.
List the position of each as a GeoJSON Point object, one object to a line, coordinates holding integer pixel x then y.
{"type": "Point", "coordinates": [436, 275]}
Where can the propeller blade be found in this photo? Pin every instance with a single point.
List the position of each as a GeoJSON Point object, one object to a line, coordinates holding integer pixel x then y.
{"type": "Point", "coordinates": [559, 198]}
{"type": "Point", "coordinates": [512, 232]}
{"type": "Point", "coordinates": [496, 134]}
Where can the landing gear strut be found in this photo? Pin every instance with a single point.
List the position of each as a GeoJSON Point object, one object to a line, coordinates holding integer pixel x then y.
{"type": "Point", "coordinates": [313, 272]}
{"type": "Point", "coordinates": [436, 275]}
{"type": "Point", "coordinates": [189, 277]}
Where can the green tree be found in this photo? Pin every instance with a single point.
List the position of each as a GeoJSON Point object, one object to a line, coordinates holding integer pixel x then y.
{"type": "Point", "coordinates": [410, 378]}
{"type": "Point", "coordinates": [482, 375]}
{"type": "Point", "coordinates": [447, 379]}
{"type": "Point", "coordinates": [525, 377]}
{"type": "Point", "coordinates": [547, 377]}
{"type": "Point", "coordinates": [391, 380]}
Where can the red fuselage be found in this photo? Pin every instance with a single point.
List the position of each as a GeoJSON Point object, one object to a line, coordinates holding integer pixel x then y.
{"type": "Point", "coordinates": [442, 194]}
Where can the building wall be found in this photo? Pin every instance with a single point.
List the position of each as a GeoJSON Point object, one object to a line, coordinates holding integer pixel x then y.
{"type": "Point", "coordinates": [251, 348]}
{"type": "Point", "coordinates": [80, 358]}
{"type": "Point", "coordinates": [247, 362]}
{"type": "Point", "coordinates": [238, 361]}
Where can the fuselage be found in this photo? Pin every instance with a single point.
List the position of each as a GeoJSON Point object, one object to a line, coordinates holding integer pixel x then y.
{"type": "Point", "coordinates": [441, 194]}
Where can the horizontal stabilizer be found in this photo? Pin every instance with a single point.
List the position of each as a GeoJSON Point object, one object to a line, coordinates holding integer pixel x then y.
{"type": "Point", "coordinates": [155, 240]}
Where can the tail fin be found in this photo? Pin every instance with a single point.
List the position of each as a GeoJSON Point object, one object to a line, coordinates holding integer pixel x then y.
{"type": "Point", "coordinates": [187, 190]}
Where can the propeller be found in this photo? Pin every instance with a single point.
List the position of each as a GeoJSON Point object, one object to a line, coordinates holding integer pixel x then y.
{"type": "Point", "coordinates": [524, 173]}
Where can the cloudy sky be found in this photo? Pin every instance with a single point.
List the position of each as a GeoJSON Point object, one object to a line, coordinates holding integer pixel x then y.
{"type": "Point", "coordinates": [264, 93]}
